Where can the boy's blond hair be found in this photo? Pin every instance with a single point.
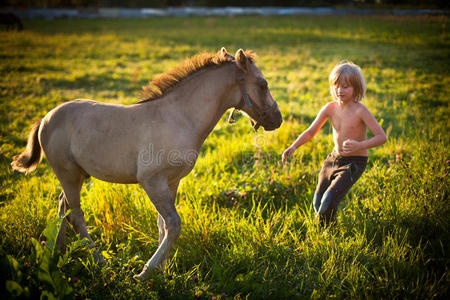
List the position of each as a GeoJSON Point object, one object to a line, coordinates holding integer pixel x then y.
{"type": "Point", "coordinates": [351, 74]}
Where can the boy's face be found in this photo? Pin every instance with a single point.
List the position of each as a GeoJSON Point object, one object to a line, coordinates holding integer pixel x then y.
{"type": "Point", "coordinates": [343, 91]}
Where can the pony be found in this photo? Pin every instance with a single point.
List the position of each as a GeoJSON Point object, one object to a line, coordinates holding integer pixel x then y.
{"type": "Point", "coordinates": [154, 142]}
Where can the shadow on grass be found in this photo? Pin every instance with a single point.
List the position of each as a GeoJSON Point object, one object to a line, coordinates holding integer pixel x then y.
{"type": "Point", "coordinates": [94, 83]}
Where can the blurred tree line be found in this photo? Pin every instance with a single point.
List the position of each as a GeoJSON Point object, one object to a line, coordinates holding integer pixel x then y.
{"type": "Point", "coordinates": [215, 3]}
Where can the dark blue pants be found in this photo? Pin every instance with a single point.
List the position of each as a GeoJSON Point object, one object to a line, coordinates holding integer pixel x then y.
{"type": "Point", "coordinates": [337, 176]}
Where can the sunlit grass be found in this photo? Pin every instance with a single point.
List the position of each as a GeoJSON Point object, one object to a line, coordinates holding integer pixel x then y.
{"type": "Point", "coordinates": [248, 227]}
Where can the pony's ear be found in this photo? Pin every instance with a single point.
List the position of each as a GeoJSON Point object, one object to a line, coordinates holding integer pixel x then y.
{"type": "Point", "coordinates": [242, 60]}
{"type": "Point", "coordinates": [223, 52]}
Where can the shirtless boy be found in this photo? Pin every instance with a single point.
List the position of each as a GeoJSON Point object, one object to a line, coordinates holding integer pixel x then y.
{"type": "Point", "coordinates": [350, 120]}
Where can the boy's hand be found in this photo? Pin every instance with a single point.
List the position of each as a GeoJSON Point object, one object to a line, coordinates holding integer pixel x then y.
{"type": "Point", "coordinates": [287, 152]}
{"type": "Point", "coordinates": [350, 146]}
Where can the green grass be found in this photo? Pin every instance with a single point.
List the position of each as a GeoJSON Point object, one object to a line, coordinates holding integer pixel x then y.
{"type": "Point", "coordinates": [248, 228]}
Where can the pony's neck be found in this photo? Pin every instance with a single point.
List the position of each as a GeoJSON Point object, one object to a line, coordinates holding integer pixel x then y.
{"type": "Point", "coordinates": [205, 97]}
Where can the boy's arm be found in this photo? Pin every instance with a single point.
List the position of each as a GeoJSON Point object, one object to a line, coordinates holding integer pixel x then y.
{"type": "Point", "coordinates": [309, 133]}
{"type": "Point", "coordinates": [379, 137]}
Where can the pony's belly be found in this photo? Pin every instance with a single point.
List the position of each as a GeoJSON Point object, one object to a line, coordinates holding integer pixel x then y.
{"type": "Point", "coordinates": [109, 173]}
{"type": "Point", "coordinates": [114, 178]}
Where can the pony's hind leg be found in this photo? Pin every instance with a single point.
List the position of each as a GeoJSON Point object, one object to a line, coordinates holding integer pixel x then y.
{"type": "Point", "coordinates": [71, 182]}
{"type": "Point", "coordinates": [63, 207]}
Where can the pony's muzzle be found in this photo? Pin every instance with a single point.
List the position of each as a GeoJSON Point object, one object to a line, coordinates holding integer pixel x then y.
{"type": "Point", "coordinates": [273, 120]}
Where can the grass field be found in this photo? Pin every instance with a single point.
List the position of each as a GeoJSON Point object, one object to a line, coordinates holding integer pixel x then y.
{"type": "Point", "coordinates": [248, 225]}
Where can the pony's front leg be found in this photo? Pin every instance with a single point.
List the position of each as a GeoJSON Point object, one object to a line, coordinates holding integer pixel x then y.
{"type": "Point", "coordinates": [159, 193]}
{"type": "Point", "coordinates": [173, 192]}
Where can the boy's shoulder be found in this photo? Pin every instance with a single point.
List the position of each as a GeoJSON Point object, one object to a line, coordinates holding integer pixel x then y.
{"type": "Point", "coordinates": [355, 107]}
{"type": "Point", "coordinates": [361, 108]}
{"type": "Point", "coordinates": [330, 106]}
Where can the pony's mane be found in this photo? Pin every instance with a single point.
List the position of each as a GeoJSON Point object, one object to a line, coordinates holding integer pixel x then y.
{"type": "Point", "coordinates": [167, 80]}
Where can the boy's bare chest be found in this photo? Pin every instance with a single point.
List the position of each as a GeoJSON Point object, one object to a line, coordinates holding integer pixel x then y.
{"type": "Point", "coordinates": [347, 121]}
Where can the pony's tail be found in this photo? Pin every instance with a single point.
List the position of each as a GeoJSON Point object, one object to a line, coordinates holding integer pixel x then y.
{"type": "Point", "coordinates": [28, 160]}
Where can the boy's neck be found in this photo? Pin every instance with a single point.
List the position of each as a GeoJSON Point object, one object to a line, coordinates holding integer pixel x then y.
{"type": "Point", "coordinates": [346, 103]}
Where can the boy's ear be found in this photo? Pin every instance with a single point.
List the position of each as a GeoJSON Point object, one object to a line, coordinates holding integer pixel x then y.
{"type": "Point", "coordinates": [242, 60]}
{"type": "Point", "coordinates": [223, 52]}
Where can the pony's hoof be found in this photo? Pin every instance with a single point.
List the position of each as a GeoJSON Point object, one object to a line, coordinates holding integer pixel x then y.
{"type": "Point", "coordinates": [142, 276]}
{"type": "Point", "coordinates": [99, 259]}
{"type": "Point", "coordinates": [146, 271]}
